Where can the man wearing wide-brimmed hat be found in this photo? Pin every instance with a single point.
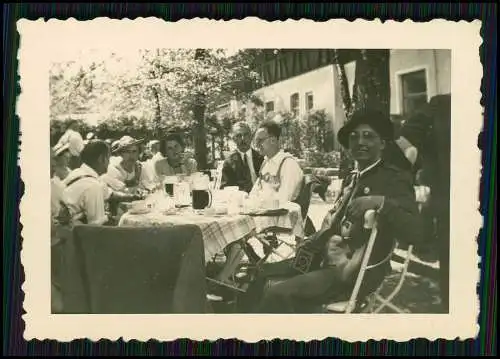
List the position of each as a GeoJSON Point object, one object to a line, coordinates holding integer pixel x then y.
{"type": "Point", "coordinates": [127, 172]}
{"type": "Point", "coordinates": [338, 246]}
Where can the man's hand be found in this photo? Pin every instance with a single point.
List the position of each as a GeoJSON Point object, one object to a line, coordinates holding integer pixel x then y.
{"type": "Point", "coordinates": [360, 205]}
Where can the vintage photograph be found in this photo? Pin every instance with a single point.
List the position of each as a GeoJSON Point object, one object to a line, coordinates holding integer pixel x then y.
{"type": "Point", "coordinates": [251, 181]}
{"type": "Point", "coordinates": [238, 182]}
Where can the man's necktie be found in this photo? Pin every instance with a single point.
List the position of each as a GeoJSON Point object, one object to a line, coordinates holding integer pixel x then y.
{"type": "Point", "coordinates": [247, 168]}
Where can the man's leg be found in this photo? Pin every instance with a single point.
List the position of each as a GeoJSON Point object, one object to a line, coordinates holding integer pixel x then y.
{"type": "Point", "coordinates": [249, 301]}
{"type": "Point", "coordinates": [233, 259]}
{"type": "Point", "coordinates": [300, 293]}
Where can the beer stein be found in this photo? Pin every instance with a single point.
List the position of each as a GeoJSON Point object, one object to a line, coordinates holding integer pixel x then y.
{"type": "Point", "coordinates": [200, 191]}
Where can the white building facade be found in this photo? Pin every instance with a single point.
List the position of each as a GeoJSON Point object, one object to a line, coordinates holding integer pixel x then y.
{"type": "Point", "coordinates": [415, 77]}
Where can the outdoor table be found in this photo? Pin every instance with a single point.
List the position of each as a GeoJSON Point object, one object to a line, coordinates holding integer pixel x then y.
{"type": "Point", "coordinates": [218, 231]}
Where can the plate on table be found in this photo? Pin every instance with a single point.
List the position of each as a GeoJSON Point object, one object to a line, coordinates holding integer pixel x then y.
{"type": "Point", "coordinates": [213, 212]}
{"type": "Point", "coordinates": [139, 207]}
{"type": "Point", "coordinates": [170, 211]}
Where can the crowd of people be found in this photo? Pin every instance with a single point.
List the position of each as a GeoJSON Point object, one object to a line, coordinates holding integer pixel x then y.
{"type": "Point", "coordinates": [90, 177]}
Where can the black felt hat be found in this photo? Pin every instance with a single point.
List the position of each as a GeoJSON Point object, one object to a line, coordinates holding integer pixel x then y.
{"type": "Point", "coordinates": [376, 120]}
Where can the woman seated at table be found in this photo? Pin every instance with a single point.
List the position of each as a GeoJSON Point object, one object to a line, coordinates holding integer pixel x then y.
{"type": "Point", "coordinates": [175, 161]}
{"type": "Point", "coordinates": [126, 174]}
{"type": "Point", "coordinates": [61, 161]}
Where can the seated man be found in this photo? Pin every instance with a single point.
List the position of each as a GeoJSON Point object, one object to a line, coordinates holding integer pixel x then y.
{"type": "Point", "coordinates": [242, 166]}
{"type": "Point", "coordinates": [373, 186]}
{"type": "Point", "coordinates": [280, 174]}
{"type": "Point", "coordinates": [85, 194]}
{"type": "Point", "coordinates": [280, 171]}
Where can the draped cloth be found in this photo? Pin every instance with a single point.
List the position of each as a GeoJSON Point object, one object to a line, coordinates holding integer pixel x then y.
{"type": "Point", "coordinates": [113, 270]}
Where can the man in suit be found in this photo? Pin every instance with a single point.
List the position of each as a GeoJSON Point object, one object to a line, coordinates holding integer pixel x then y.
{"type": "Point", "coordinates": [374, 185]}
{"type": "Point", "coordinates": [240, 169]}
{"type": "Point", "coordinates": [242, 166]}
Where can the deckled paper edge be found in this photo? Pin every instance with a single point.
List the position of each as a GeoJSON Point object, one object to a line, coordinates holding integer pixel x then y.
{"type": "Point", "coordinates": [38, 41]}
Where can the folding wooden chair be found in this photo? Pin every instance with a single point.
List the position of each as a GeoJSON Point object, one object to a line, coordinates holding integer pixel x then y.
{"type": "Point", "coordinates": [353, 304]}
{"type": "Point", "coordinates": [377, 302]}
{"type": "Point", "coordinates": [304, 201]}
{"type": "Point", "coordinates": [368, 303]}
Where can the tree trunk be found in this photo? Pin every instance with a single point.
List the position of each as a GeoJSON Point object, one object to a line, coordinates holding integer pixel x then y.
{"type": "Point", "coordinates": [371, 88]}
{"type": "Point", "coordinates": [371, 84]}
{"type": "Point", "coordinates": [346, 164]}
{"type": "Point", "coordinates": [344, 84]}
{"type": "Point", "coordinates": [199, 132]}
{"type": "Point", "coordinates": [157, 121]}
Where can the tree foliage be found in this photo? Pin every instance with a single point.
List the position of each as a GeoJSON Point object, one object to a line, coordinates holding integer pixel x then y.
{"type": "Point", "coordinates": [371, 88]}
{"type": "Point", "coordinates": [163, 89]}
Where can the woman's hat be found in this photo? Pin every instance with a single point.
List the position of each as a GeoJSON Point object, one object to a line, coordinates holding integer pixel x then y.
{"type": "Point", "coordinates": [125, 142]}
{"type": "Point", "coordinates": [60, 148]}
{"type": "Point", "coordinates": [152, 143]}
{"type": "Point", "coordinates": [376, 120]}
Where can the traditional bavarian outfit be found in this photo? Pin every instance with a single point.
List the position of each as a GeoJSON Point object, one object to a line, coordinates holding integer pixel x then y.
{"type": "Point", "coordinates": [282, 174]}
{"type": "Point", "coordinates": [85, 195]}
{"type": "Point", "coordinates": [300, 290]}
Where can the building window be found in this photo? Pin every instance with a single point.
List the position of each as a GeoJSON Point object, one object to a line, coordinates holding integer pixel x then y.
{"type": "Point", "coordinates": [414, 91]}
{"type": "Point", "coordinates": [295, 104]}
{"type": "Point", "coordinates": [309, 101]}
{"type": "Point", "coordinates": [269, 106]}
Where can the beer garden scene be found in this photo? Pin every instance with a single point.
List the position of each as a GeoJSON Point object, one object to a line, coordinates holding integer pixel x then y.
{"type": "Point", "coordinates": [174, 122]}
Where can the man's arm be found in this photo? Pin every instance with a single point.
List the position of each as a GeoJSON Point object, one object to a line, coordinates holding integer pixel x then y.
{"type": "Point", "coordinates": [399, 209]}
{"type": "Point", "coordinates": [112, 179]}
{"type": "Point", "coordinates": [227, 176]}
{"type": "Point", "coordinates": [291, 180]}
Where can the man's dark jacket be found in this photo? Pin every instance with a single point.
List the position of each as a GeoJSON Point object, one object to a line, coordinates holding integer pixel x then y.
{"type": "Point", "coordinates": [234, 173]}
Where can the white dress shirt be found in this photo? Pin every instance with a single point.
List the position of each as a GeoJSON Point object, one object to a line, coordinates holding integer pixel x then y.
{"type": "Point", "coordinates": [289, 184]}
{"type": "Point", "coordinates": [249, 162]}
{"type": "Point", "coordinates": [86, 196]}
